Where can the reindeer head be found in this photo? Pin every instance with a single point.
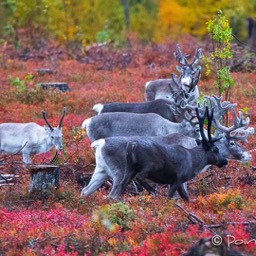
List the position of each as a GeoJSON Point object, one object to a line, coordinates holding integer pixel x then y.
{"type": "Point", "coordinates": [239, 131]}
{"type": "Point", "coordinates": [55, 134]}
{"type": "Point", "coordinates": [210, 148]}
{"type": "Point", "coordinates": [190, 129]}
{"type": "Point", "coordinates": [190, 74]}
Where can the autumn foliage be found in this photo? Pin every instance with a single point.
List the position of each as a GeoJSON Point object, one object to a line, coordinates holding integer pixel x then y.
{"type": "Point", "coordinates": [28, 23]}
{"type": "Point", "coordinates": [222, 201]}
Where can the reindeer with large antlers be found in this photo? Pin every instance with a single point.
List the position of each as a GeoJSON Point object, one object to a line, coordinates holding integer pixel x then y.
{"type": "Point", "coordinates": [228, 136]}
{"type": "Point", "coordinates": [240, 129]}
{"type": "Point", "coordinates": [159, 162]}
{"type": "Point", "coordinates": [30, 138]}
{"type": "Point", "coordinates": [189, 77]}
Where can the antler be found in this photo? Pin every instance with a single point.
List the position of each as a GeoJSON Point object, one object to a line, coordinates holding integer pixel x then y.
{"type": "Point", "coordinates": [241, 134]}
{"type": "Point", "coordinates": [175, 86]}
{"type": "Point", "coordinates": [239, 130]}
{"type": "Point", "coordinates": [220, 108]}
{"type": "Point", "coordinates": [201, 124]}
{"type": "Point", "coordinates": [191, 108]}
{"type": "Point", "coordinates": [62, 117]}
{"type": "Point", "coordinates": [184, 97]}
{"type": "Point", "coordinates": [44, 116]}
{"type": "Point", "coordinates": [182, 59]}
{"type": "Point", "coordinates": [209, 116]}
{"type": "Point", "coordinates": [197, 57]}
{"type": "Point", "coordinates": [180, 104]}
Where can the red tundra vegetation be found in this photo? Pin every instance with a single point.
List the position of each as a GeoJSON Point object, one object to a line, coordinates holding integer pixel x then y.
{"type": "Point", "coordinates": [222, 201]}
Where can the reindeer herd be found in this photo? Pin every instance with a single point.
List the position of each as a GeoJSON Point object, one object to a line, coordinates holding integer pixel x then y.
{"type": "Point", "coordinates": [162, 139]}
{"type": "Point", "coordinates": [159, 139]}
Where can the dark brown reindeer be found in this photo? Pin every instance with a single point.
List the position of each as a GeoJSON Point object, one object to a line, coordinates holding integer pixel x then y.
{"type": "Point", "coordinates": [227, 145]}
{"type": "Point", "coordinates": [159, 162]}
{"type": "Point", "coordinates": [189, 77]}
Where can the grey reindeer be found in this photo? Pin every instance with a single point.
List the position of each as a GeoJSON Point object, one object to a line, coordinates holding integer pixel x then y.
{"type": "Point", "coordinates": [176, 110]}
{"type": "Point", "coordinates": [133, 124]}
{"type": "Point", "coordinates": [157, 161]}
{"type": "Point", "coordinates": [30, 138]}
{"type": "Point", "coordinates": [189, 77]}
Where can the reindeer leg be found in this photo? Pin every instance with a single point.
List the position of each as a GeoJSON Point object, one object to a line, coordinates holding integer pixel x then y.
{"type": "Point", "coordinates": [149, 188]}
{"type": "Point", "coordinates": [182, 190]}
{"type": "Point", "coordinates": [26, 157]}
{"type": "Point", "coordinates": [99, 177]}
{"type": "Point", "coordinates": [172, 189]}
{"type": "Point", "coordinates": [120, 183]}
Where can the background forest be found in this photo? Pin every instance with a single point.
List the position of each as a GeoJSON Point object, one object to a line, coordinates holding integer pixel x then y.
{"type": "Point", "coordinates": [81, 23]}
{"type": "Point", "coordinates": [105, 51]}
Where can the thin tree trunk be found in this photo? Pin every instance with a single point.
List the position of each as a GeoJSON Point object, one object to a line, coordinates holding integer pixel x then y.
{"type": "Point", "coordinates": [66, 24]}
{"type": "Point", "coordinates": [252, 34]}
{"type": "Point", "coordinates": [125, 5]}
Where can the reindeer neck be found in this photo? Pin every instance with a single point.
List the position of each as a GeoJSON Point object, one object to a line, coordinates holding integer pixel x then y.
{"type": "Point", "coordinates": [176, 80]}
{"type": "Point", "coordinates": [172, 128]}
{"type": "Point", "coordinates": [199, 158]}
{"type": "Point", "coordinates": [47, 142]}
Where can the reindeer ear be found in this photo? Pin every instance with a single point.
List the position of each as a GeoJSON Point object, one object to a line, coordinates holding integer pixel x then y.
{"type": "Point", "coordinates": [179, 68]}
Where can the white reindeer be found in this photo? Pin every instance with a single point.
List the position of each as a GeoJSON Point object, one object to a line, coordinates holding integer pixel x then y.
{"type": "Point", "coordinates": [30, 138]}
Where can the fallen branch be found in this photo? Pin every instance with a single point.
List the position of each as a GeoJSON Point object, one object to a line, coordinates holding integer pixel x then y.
{"type": "Point", "coordinates": [193, 218]}
{"type": "Point", "coordinates": [196, 220]}
{"type": "Point", "coordinates": [8, 179]}
{"type": "Point", "coordinates": [7, 184]}
{"type": "Point", "coordinates": [202, 179]}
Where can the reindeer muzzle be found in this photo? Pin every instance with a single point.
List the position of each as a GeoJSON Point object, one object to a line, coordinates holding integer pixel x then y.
{"type": "Point", "coordinates": [59, 148]}
{"type": "Point", "coordinates": [246, 157]}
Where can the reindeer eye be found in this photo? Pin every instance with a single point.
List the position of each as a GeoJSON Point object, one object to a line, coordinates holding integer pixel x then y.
{"type": "Point", "coordinates": [232, 143]}
{"type": "Point", "coordinates": [52, 137]}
